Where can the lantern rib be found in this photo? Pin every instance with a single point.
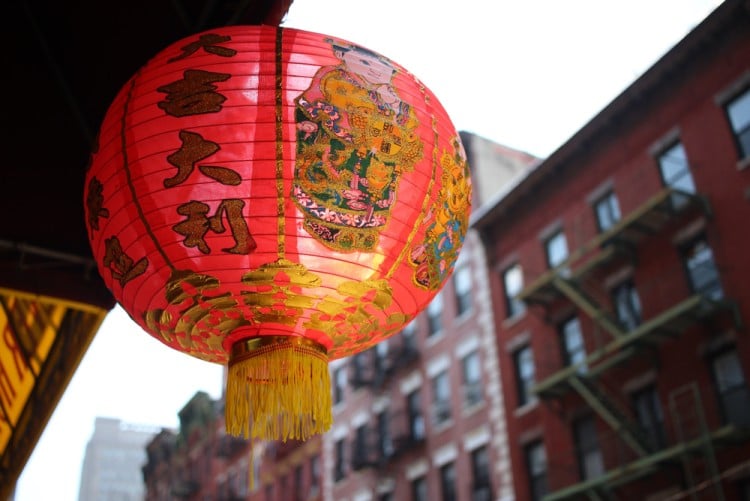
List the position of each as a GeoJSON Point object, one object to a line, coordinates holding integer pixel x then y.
{"type": "Point", "coordinates": [126, 168]}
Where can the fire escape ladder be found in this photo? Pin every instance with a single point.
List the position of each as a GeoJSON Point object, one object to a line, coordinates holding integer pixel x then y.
{"type": "Point", "coordinates": [588, 305]}
{"type": "Point", "coordinates": [699, 463]}
{"type": "Point", "coordinates": [610, 412]}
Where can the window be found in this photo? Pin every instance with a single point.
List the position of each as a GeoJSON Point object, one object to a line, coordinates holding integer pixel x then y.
{"type": "Point", "coordinates": [385, 444]}
{"type": "Point", "coordinates": [590, 459]}
{"type": "Point", "coordinates": [434, 313]}
{"type": "Point", "coordinates": [731, 387]}
{"type": "Point", "coordinates": [298, 488]}
{"type": "Point", "coordinates": [441, 391]}
{"type": "Point", "coordinates": [416, 419]}
{"type": "Point", "coordinates": [481, 487]}
{"type": "Point", "coordinates": [701, 269]}
{"type": "Point", "coordinates": [339, 378]}
{"type": "Point", "coordinates": [269, 492]}
{"type": "Point", "coordinates": [472, 373]}
{"type": "Point", "coordinates": [627, 305]}
{"type": "Point", "coordinates": [607, 211]}
{"type": "Point", "coordinates": [524, 364]}
{"type": "Point", "coordinates": [339, 471]}
{"type": "Point", "coordinates": [738, 111]}
{"type": "Point", "coordinates": [419, 489]}
{"type": "Point", "coordinates": [462, 287]}
{"type": "Point", "coordinates": [649, 416]}
{"type": "Point", "coordinates": [572, 340]}
{"type": "Point", "coordinates": [557, 249]}
{"type": "Point", "coordinates": [448, 482]}
{"type": "Point", "coordinates": [675, 170]}
{"type": "Point", "coordinates": [409, 337]}
{"type": "Point", "coordinates": [360, 366]}
{"type": "Point", "coordinates": [314, 474]}
{"type": "Point", "coordinates": [513, 285]}
{"type": "Point", "coordinates": [536, 465]}
{"type": "Point", "coordinates": [284, 487]}
{"type": "Point", "coordinates": [381, 361]}
{"type": "Point", "coordinates": [360, 452]}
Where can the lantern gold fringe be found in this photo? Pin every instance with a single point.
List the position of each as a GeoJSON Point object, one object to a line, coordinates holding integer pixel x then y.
{"type": "Point", "coordinates": [278, 388]}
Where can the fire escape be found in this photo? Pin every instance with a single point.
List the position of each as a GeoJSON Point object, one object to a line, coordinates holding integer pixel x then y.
{"type": "Point", "coordinates": [575, 282]}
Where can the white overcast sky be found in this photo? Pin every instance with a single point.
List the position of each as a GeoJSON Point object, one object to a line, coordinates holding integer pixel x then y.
{"type": "Point", "coordinates": [525, 73]}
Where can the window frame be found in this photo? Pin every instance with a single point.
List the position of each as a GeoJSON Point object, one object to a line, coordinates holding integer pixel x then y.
{"type": "Point", "coordinates": [549, 249]}
{"type": "Point", "coordinates": [513, 305]}
{"type": "Point", "coordinates": [587, 447]}
{"type": "Point", "coordinates": [339, 384]}
{"type": "Point", "coordinates": [339, 460]}
{"type": "Point", "coordinates": [714, 290]}
{"type": "Point", "coordinates": [651, 422]}
{"type": "Point", "coordinates": [722, 393]}
{"type": "Point", "coordinates": [686, 172]}
{"type": "Point", "coordinates": [537, 478]}
{"type": "Point", "coordinates": [416, 415]}
{"type": "Point", "coordinates": [481, 475]}
{"type": "Point", "coordinates": [419, 491]}
{"type": "Point", "coordinates": [434, 313]}
{"type": "Point", "coordinates": [524, 382]}
{"type": "Point", "coordinates": [441, 404]}
{"type": "Point", "coordinates": [742, 149]}
{"type": "Point", "coordinates": [611, 205]}
{"type": "Point", "coordinates": [570, 357]}
{"type": "Point", "coordinates": [463, 298]}
{"type": "Point", "coordinates": [627, 291]}
{"type": "Point", "coordinates": [473, 394]}
{"type": "Point", "coordinates": [448, 481]}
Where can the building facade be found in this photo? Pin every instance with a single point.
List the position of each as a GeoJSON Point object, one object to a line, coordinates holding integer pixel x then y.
{"type": "Point", "coordinates": [112, 464]}
{"type": "Point", "coordinates": [619, 270]}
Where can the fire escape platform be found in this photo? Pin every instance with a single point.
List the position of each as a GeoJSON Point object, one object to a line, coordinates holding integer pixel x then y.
{"type": "Point", "coordinates": [616, 243]}
{"type": "Point", "coordinates": [641, 467]}
{"type": "Point", "coordinates": [671, 322]}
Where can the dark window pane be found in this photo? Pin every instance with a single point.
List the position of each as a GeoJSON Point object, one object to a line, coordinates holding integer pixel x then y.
{"type": "Point", "coordinates": [557, 249]}
{"type": "Point", "coordinates": [627, 305]}
{"type": "Point", "coordinates": [472, 372]}
{"type": "Point", "coordinates": [590, 459]}
{"type": "Point", "coordinates": [419, 489]}
{"type": "Point", "coordinates": [462, 287]}
{"type": "Point", "coordinates": [536, 465]}
{"type": "Point", "coordinates": [732, 389]}
{"type": "Point", "coordinates": [607, 211]}
{"type": "Point", "coordinates": [738, 111]}
{"type": "Point", "coordinates": [649, 415]}
{"type": "Point", "coordinates": [448, 482]}
{"type": "Point", "coordinates": [434, 313]}
{"type": "Point", "coordinates": [524, 362]}
{"type": "Point", "coordinates": [574, 347]}
{"type": "Point", "coordinates": [702, 271]}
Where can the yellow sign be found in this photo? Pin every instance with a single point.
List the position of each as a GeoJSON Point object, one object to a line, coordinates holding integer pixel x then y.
{"type": "Point", "coordinates": [28, 330]}
{"type": "Point", "coordinates": [42, 340]}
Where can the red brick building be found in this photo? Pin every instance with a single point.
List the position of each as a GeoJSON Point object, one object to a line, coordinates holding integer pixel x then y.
{"type": "Point", "coordinates": [619, 268]}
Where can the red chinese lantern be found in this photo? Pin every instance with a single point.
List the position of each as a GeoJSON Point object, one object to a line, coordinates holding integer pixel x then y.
{"type": "Point", "coordinates": [273, 199]}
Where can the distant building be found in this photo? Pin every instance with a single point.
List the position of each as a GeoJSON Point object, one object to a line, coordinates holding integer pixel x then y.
{"type": "Point", "coordinates": [620, 268]}
{"type": "Point", "coordinates": [112, 464]}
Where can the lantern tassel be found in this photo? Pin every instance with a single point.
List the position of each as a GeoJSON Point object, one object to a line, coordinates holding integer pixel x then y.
{"type": "Point", "coordinates": [278, 388]}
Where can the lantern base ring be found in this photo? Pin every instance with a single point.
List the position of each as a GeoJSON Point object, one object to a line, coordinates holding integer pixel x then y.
{"type": "Point", "coordinates": [278, 387]}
